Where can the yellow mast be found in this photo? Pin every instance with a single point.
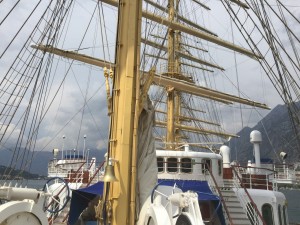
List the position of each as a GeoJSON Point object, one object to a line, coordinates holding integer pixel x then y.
{"type": "Point", "coordinates": [123, 120]}
{"type": "Point", "coordinates": [177, 98]}
{"type": "Point", "coordinates": [170, 90]}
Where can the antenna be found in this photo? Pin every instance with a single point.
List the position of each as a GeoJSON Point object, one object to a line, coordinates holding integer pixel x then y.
{"type": "Point", "coordinates": [63, 145]}
{"type": "Point", "coordinates": [84, 138]}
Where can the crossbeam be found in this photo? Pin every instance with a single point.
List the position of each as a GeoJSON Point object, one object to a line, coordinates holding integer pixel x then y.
{"type": "Point", "coordinates": [179, 85]}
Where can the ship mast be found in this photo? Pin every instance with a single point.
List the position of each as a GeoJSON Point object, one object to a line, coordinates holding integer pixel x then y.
{"type": "Point", "coordinates": [170, 90]}
{"type": "Point", "coordinates": [173, 96]}
{"type": "Point", "coordinates": [123, 120]}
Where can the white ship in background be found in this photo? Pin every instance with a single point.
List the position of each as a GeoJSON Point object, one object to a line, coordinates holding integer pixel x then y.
{"type": "Point", "coordinates": [167, 162]}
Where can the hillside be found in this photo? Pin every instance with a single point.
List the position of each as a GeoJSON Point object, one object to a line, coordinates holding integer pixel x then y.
{"type": "Point", "coordinates": [277, 134]}
{"type": "Point", "coordinates": [17, 174]}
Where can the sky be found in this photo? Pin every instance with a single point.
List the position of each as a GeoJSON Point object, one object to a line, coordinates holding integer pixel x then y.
{"type": "Point", "coordinates": [82, 83]}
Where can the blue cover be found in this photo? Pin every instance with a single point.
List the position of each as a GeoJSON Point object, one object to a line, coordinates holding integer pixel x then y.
{"type": "Point", "coordinates": [81, 198]}
{"type": "Point", "coordinates": [96, 189]}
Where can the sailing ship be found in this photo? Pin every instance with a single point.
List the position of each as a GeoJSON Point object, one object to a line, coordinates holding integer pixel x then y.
{"type": "Point", "coordinates": [158, 73]}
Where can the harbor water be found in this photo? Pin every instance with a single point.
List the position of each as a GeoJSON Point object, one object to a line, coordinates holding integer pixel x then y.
{"type": "Point", "coordinates": [293, 199]}
{"type": "Point", "coordinates": [37, 184]}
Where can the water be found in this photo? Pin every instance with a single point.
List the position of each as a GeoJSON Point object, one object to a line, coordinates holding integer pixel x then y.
{"type": "Point", "coordinates": [293, 198]}
{"type": "Point", "coordinates": [37, 184]}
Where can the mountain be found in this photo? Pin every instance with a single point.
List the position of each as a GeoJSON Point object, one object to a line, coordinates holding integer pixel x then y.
{"type": "Point", "coordinates": [40, 160]}
{"type": "Point", "coordinates": [277, 134]}
{"type": "Point", "coordinates": [18, 174]}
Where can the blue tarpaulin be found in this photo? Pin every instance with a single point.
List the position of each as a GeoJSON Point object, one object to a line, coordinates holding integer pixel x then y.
{"type": "Point", "coordinates": [81, 198]}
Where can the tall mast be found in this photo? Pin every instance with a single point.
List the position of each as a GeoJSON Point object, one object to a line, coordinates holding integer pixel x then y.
{"type": "Point", "coordinates": [177, 99]}
{"type": "Point", "coordinates": [122, 135]}
{"type": "Point", "coordinates": [170, 90]}
{"type": "Point", "coordinates": [173, 96]}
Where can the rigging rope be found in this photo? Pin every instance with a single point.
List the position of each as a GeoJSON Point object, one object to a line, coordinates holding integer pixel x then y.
{"type": "Point", "coordinates": [32, 121]}
{"type": "Point", "coordinates": [278, 74]}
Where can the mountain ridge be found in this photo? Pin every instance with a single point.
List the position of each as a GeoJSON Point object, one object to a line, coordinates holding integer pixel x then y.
{"type": "Point", "coordinates": [277, 136]}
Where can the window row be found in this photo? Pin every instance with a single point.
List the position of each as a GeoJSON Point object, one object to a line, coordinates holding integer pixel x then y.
{"type": "Point", "coordinates": [184, 165]}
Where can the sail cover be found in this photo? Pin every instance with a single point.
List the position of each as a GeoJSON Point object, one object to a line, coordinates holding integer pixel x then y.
{"type": "Point", "coordinates": [146, 156]}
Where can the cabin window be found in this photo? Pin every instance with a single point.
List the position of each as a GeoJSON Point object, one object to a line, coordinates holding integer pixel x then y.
{"type": "Point", "coordinates": [284, 215]}
{"type": "Point", "coordinates": [186, 165]}
{"type": "Point", "coordinates": [206, 164]}
{"type": "Point", "coordinates": [279, 214]}
{"type": "Point", "coordinates": [160, 164]}
{"type": "Point", "coordinates": [267, 214]}
{"type": "Point", "coordinates": [220, 167]}
{"type": "Point", "coordinates": [172, 165]}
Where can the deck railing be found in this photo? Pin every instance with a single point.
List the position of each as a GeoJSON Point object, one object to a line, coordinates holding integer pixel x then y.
{"type": "Point", "coordinates": [77, 176]}
{"type": "Point", "coordinates": [246, 200]}
{"type": "Point", "coordinates": [73, 177]}
{"type": "Point", "coordinates": [88, 184]}
{"type": "Point", "coordinates": [95, 174]}
{"type": "Point", "coordinates": [54, 169]}
{"type": "Point", "coordinates": [257, 177]}
{"type": "Point", "coordinates": [285, 171]}
{"type": "Point", "coordinates": [53, 216]}
{"type": "Point", "coordinates": [216, 188]}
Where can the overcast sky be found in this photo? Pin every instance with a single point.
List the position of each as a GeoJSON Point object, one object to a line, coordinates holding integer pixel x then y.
{"type": "Point", "coordinates": [82, 83]}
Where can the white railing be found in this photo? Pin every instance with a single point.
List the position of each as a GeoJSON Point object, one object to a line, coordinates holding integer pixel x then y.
{"type": "Point", "coordinates": [245, 202]}
{"type": "Point", "coordinates": [257, 178]}
{"type": "Point", "coordinates": [284, 172]}
{"type": "Point", "coordinates": [245, 199]}
{"type": "Point", "coordinates": [216, 190]}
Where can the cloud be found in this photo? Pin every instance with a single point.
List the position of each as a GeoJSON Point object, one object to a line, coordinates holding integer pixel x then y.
{"type": "Point", "coordinates": [66, 117]}
{"type": "Point", "coordinates": [74, 121]}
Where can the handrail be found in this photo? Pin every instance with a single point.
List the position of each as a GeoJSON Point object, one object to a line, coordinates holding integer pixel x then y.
{"type": "Point", "coordinates": [254, 167]}
{"type": "Point", "coordinates": [247, 193]}
{"type": "Point", "coordinates": [72, 179]}
{"type": "Point", "coordinates": [269, 174]}
{"type": "Point", "coordinates": [92, 162]}
{"type": "Point", "coordinates": [66, 217]}
{"type": "Point", "coordinates": [76, 172]}
{"type": "Point", "coordinates": [51, 217]}
{"type": "Point", "coordinates": [220, 194]}
{"type": "Point", "coordinates": [272, 164]}
{"type": "Point", "coordinates": [96, 172]}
